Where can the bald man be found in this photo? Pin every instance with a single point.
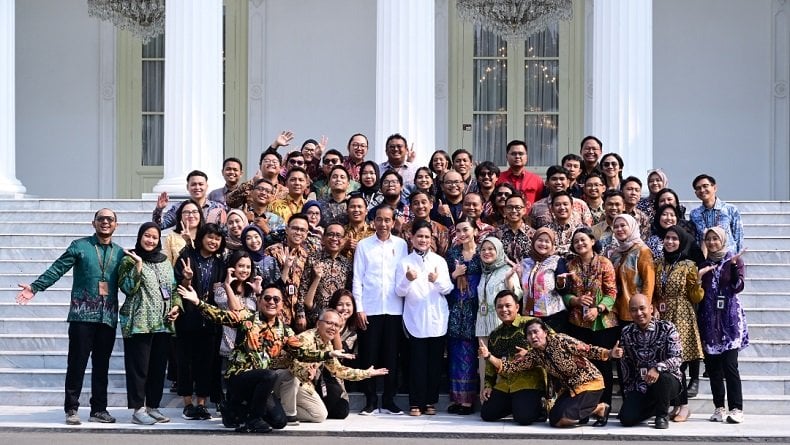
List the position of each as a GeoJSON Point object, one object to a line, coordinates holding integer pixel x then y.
{"type": "Point", "coordinates": [650, 365]}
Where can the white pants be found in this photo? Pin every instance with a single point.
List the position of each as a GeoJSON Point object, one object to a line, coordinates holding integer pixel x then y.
{"type": "Point", "coordinates": [309, 406]}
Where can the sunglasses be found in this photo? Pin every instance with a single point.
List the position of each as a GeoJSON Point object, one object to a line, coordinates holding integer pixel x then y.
{"type": "Point", "coordinates": [269, 298]}
{"type": "Point", "coordinates": [105, 219]}
{"type": "Point", "coordinates": [295, 162]}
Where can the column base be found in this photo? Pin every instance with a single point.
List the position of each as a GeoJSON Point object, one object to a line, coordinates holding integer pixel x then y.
{"type": "Point", "coordinates": [174, 185]}
{"type": "Point", "coordinates": [12, 188]}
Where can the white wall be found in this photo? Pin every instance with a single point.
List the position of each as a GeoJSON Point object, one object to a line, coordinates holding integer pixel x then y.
{"type": "Point", "coordinates": [57, 98]}
{"type": "Point", "coordinates": [711, 94]}
{"type": "Point", "coordinates": [320, 70]}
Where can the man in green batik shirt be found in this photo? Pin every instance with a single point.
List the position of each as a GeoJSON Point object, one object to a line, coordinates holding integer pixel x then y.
{"type": "Point", "coordinates": [93, 312]}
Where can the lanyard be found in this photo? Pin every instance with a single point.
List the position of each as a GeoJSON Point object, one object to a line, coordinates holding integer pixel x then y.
{"type": "Point", "coordinates": [103, 261]}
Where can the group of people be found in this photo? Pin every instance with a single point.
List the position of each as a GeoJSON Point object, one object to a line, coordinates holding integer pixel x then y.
{"type": "Point", "coordinates": [269, 294]}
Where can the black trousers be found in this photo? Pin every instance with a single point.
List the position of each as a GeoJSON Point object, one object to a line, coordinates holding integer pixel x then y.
{"type": "Point", "coordinates": [724, 368]}
{"type": "Point", "coordinates": [575, 408]}
{"type": "Point", "coordinates": [655, 402]}
{"type": "Point", "coordinates": [525, 405]}
{"type": "Point", "coordinates": [332, 393]}
{"type": "Point", "coordinates": [94, 340]}
{"type": "Point", "coordinates": [145, 360]}
{"type": "Point", "coordinates": [378, 347]}
{"type": "Point", "coordinates": [425, 370]}
{"type": "Point", "coordinates": [605, 338]}
{"type": "Point", "coordinates": [196, 363]}
{"type": "Point", "coordinates": [254, 388]}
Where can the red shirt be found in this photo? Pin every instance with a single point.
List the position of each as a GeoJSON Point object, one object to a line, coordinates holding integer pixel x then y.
{"type": "Point", "coordinates": [529, 184]}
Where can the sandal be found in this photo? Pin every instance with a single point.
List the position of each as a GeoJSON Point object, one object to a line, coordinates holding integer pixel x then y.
{"type": "Point", "coordinates": [415, 411]}
{"type": "Point", "coordinates": [430, 410]}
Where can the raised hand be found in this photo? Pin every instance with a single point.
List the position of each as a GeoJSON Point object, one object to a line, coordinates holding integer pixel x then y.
{"type": "Point", "coordinates": [444, 209]}
{"type": "Point", "coordinates": [411, 275]}
{"type": "Point", "coordinates": [187, 269]}
{"type": "Point", "coordinates": [482, 349]}
{"type": "Point", "coordinates": [318, 271]}
{"type": "Point", "coordinates": [735, 257]}
{"type": "Point", "coordinates": [283, 139]}
{"type": "Point", "coordinates": [432, 276]}
{"type": "Point", "coordinates": [319, 149]}
{"type": "Point", "coordinates": [188, 294]}
{"type": "Point", "coordinates": [25, 295]}
{"type": "Point", "coordinates": [412, 155]}
{"type": "Point", "coordinates": [257, 285]}
{"type": "Point", "coordinates": [616, 351]}
{"type": "Point", "coordinates": [162, 200]}
{"type": "Point", "coordinates": [138, 262]}
{"type": "Point", "coordinates": [229, 276]}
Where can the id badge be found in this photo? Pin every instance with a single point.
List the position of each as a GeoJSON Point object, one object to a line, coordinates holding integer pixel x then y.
{"type": "Point", "coordinates": [165, 291]}
{"type": "Point", "coordinates": [483, 309]}
{"type": "Point", "coordinates": [104, 288]}
{"type": "Point", "coordinates": [662, 307]}
{"type": "Point", "coordinates": [720, 301]}
{"type": "Point", "coordinates": [291, 289]}
{"type": "Point", "coordinates": [643, 372]}
{"type": "Point", "coordinates": [584, 311]}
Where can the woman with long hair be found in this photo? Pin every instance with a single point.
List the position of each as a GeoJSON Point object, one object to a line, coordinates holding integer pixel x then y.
{"type": "Point", "coordinates": [189, 219]}
{"type": "Point", "coordinates": [612, 168]}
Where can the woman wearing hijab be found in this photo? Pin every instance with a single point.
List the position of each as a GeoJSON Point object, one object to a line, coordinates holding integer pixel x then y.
{"type": "Point", "coordinates": [657, 180]}
{"type": "Point", "coordinates": [590, 292]}
{"type": "Point", "coordinates": [369, 185]}
{"type": "Point", "coordinates": [722, 324]}
{"type": "Point", "coordinates": [539, 273]}
{"type": "Point", "coordinates": [237, 221]}
{"type": "Point", "coordinates": [633, 265]}
{"type": "Point", "coordinates": [265, 266]}
{"type": "Point", "coordinates": [677, 289]}
{"type": "Point", "coordinates": [146, 317]}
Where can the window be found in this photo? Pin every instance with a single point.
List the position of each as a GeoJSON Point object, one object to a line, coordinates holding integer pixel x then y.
{"type": "Point", "coordinates": [529, 90]}
{"type": "Point", "coordinates": [153, 105]}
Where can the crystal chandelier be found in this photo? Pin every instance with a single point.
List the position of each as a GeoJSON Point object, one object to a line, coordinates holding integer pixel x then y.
{"type": "Point", "coordinates": [143, 18]}
{"type": "Point", "coordinates": [515, 20]}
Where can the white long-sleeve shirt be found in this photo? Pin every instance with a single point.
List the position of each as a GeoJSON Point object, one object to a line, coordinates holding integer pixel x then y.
{"type": "Point", "coordinates": [425, 311]}
{"type": "Point", "coordinates": [374, 275]}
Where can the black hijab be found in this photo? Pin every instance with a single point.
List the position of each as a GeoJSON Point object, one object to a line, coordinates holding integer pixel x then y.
{"type": "Point", "coordinates": [154, 256]}
{"type": "Point", "coordinates": [683, 251]}
{"type": "Point", "coordinates": [375, 187]}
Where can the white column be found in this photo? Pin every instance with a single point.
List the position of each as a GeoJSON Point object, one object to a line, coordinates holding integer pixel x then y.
{"type": "Point", "coordinates": [193, 93]}
{"type": "Point", "coordinates": [9, 185]}
{"type": "Point", "coordinates": [622, 103]}
{"type": "Point", "coordinates": [405, 75]}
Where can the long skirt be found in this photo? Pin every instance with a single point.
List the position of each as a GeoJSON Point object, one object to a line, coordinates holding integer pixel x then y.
{"type": "Point", "coordinates": [464, 381]}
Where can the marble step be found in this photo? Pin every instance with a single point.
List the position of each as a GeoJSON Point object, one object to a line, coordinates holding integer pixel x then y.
{"type": "Point", "coordinates": [754, 270]}
{"type": "Point", "coordinates": [767, 229]}
{"type": "Point", "coordinates": [45, 342]}
{"type": "Point", "coordinates": [764, 365]}
{"type": "Point", "coordinates": [750, 206]}
{"type": "Point", "coordinates": [762, 284]}
{"type": "Point", "coordinates": [766, 256]}
{"type": "Point", "coordinates": [769, 348]}
{"type": "Point", "coordinates": [758, 300]}
{"type": "Point", "coordinates": [765, 218]}
{"type": "Point", "coordinates": [59, 241]}
{"type": "Point", "coordinates": [87, 205]}
{"type": "Point", "coordinates": [769, 331]}
{"type": "Point", "coordinates": [116, 397]}
{"type": "Point", "coordinates": [767, 242]}
{"type": "Point", "coordinates": [64, 227]}
{"type": "Point", "coordinates": [79, 217]}
{"type": "Point", "coordinates": [52, 378]}
{"type": "Point", "coordinates": [762, 316]}
{"type": "Point", "coordinates": [47, 360]}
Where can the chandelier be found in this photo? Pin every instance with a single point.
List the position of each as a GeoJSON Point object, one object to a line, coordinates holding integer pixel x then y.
{"type": "Point", "coordinates": [143, 18]}
{"type": "Point", "coordinates": [515, 20]}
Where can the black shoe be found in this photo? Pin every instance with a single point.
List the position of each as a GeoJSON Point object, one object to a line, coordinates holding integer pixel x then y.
{"type": "Point", "coordinates": [292, 420]}
{"type": "Point", "coordinates": [584, 420]}
{"type": "Point", "coordinates": [453, 409]}
{"type": "Point", "coordinates": [255, 426]}
{"type": "Point", "coordinates": [368, 410]}
{"type": "Point", "coordinates": [693, 388]}
{"type": "Point", "coordinates": [390, 408]}
{"type": "Point", "coordinates": [604, 419]}
{"type": "Point", "coordinates": [465, 410]}
{"type": "Point", "coordinates": [202, 413]}
{"type": "Point", "coordinates": [190, 412]}
{"type": "Point", "coordinates": [102, 417]}
{"type": "Point", "coordinates": [174, 387]}
{"type": "Point", "coordinates": [662, 423]}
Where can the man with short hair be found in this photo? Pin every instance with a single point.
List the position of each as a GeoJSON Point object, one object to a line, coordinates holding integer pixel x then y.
{"type": "Point", "coordinates": [297, 182]}
{"type": "Point", "coordinates": [258, 209]}
{"type": "Point", "coordinates": [650, 364]}
{"type": "Point", "coordinates": [472, 206]}
{"type": "Point", "coordinates": [333, 207]}
{"type": "Point", "coordinates": [197, 182]}
{"type": "Point", "coordinates": [515, 234]}
{"type": "Point", "coordinates": [321, 186]}
{"type": "Point", "coordinates": [93, 312]}
{"type": "Point", "coordinates": [448, 211]}
{"type": "Point", "coordinates": [462, 163]}
{"type": "Point", "coordinates": [573, 163]}
{"type": "Point", "coordinates": [357, 227]}
{"type": "Point", "coordinates": [311, 407]}
{"type": "Point", "coordinates": [715, 212]}
{"type": "Point", "coordinates": [399, 157]}
{"type": "Point", "coordinates": [269, 168]}
{"type": "Point", "coordinates": [529, 184]}
{"type": "Point", "coordinates": [632, 191]}
{"type": "Point", "coordinates": [613, 204]}
{"type": "Point", "coordinates": [593, 195]}
{"type": "Point", "coordinates": [325, 272]}
{"type": "Point", "coordinates": [379, 309]}
{"type": "Point", "coordinates": [591, 149]}
{"type": "Point", "coordinates": [557, 181]}
{"type": "Point", "coordinates": [311, 150]}
{"type": "Point", "coordinates": [231, 172]}
{"type": "Point", "coordinates": [392, 190]}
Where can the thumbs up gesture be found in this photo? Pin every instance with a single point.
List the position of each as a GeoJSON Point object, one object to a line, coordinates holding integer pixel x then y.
{"type": "Point", "coordinates": [411, 275]}
{"type": "Point", "coordinates": [616, 351]}
{"type": "Point", "coordinates": [433, 275]}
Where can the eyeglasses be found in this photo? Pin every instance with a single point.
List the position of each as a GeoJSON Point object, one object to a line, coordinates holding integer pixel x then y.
{"type": "Point", "coordinates": [270, 298]}
{"type": "Point", "coordinates": [332, 323]}
{"type": "Point", "coordinates": [358, 145]}
{"type": "Point", "coordinates": [502, 194]}
{"type": "Point", "coordinates": [108, 219]}
{"type": "Point", "coordinates": [486, 175]}
{"type": "Point", "coordinates": [610, 164]}
{"type": "Point", "coordinates": [331, 161]}
{"type": "Point", "coordinates": [453, 182]}
{"type": "Point", "coordinates": [295, 162]}
{"type": "Point", "coordinates": [263, 189]}
{"type": "Point", "coordinates": [190, 212]}
{"type": "Point", "coordinates": [337, 235]}
{"type": "Point", "coordinates": [298, 229]}
{"type": "Point", "coordinates": [390, 182]}
{"type": "Point", "coordinates": [270, 162]}
{"type": "Point", "coordinates": [514, 208]}
{"type": "Point", "coordinates": [517, 154]}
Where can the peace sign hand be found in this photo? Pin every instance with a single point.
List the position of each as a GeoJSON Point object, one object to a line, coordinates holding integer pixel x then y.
{"type": "Point", "coordinates": [186, 269]}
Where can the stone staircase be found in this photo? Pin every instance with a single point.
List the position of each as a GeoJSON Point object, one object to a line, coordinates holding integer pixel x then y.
{"type": "Point", "coordinates": [33, 338]}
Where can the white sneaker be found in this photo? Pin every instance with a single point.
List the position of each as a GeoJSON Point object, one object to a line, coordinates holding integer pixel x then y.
{"type": "Point", "coordinates": [157, 415]}
{"type": "Point", "coordinates": [735, 416]}
{"type": "Point", "coordinates": [718, 415]}
{"type": "Point", "coordinates": [141, 417]}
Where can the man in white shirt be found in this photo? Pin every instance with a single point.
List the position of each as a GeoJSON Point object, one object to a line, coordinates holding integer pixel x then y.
{"type": "Point", "coordinates": [379, 309]}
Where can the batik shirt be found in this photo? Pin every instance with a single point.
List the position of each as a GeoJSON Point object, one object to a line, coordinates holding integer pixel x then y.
{"type": "Point", "coordinates": [722, 215]}
{"type": "Point", "coordinates": [657, 346]}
